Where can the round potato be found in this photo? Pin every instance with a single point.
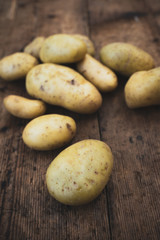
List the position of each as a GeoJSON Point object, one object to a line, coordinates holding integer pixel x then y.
{"type": "Point", "coordinates": [16, 66]}
{"type": "Point", "coordinates": [98, 74]}
{"type": "Point", "coordinates": [34, 47]}
{"type": "Point", "coordinates": [80, 172]}
{"type": "Point", "coordinates": [143, 89]}
{"type": "Point", "coordinates": [49, 132]}
{"type": "Point", "coordinates": [88, 42]}
{"type": "Point", "coordinates": [62, 48]}
{"type": "Point", "coordinates": [125, 58]}
{"type": "Point", "coordinates": [24, 108]}
{"type": "Point", "coordinates": [62, 86]}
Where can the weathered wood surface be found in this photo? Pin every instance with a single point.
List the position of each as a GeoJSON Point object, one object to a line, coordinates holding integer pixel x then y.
{"type": "Point", "coordinates": [129, 207]}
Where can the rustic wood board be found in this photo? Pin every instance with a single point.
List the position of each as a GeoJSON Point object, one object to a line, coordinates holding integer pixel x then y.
{"type": "Point", "coordinates": [129, 207]}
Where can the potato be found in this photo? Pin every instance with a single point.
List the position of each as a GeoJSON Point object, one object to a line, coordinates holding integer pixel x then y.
{"type": "Point", "coordinates": [49, 132]}
{"type": "Point", "coordinates": [16, 66]}
{"type": "Point", "coordinates": [143, 89]}
{"type": "Point", "coordinates": [62, 86]}
{"type": "Point", "coordinates": [98, 74]}
{"type": "Point", "coordinates": [62, 48]}
{"type": "Point", "coordinates": [24, 108]}
{"type": "Point", "coordinates": [125, 58]}
{"type": "Point", "coordinates": [34, 47]}
{"type": "Point", "coordinates": [88, 42]}
{"type": "Point", "coordinates": [80, 172]}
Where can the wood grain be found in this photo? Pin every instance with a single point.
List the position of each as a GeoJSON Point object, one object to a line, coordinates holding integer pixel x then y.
{"type": "Point", "coordinates": [128, 208]}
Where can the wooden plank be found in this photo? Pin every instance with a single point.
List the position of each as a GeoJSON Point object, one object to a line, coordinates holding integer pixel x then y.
{"type": "Point", "coordinates": [133, 192]}
{"type": "Point", "coordinates": [27, 210]}
{"type": "Point", "coordinates": [11, 40]}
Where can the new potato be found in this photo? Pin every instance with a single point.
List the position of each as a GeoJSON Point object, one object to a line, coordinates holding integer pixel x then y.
{"type": "Point", "coordinates": [49, 132]}
{"type": "Point", "coordinates": [34, 47]}
{"type": "Point", "coordinates": [80, 172]}
{"type": "Point", "coordinates": [98, 74]}
{"type": "Point", "coordinates": [143, 89]}
{"type": "Point", "coordinates": [24, 108]}
{"type": "Point", "coordinates": [88, 42]}
{"type": "Point", "coordinates": [62, 48]}
{"type": "Point", "coordinates": [62, 86]}
{"type": "Point", "coordinates": [16, 66]}
{"type": "Point", "coordinates": [125, 58]}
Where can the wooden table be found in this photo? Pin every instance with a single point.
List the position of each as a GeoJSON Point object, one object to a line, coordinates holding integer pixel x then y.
{"type": "Point", "coordinates": [129, 207]}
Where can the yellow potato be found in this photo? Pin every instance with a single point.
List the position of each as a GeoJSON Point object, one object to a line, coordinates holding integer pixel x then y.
{"type": "Point", "coordinates": [49, 132]}
{"type": "Point", "coordinates": [16, 66]}
{"type": "Point", "coordinates": [62, 48]}
{"type": "Point", "coordinates": [143, 89]}
{"type": "Point", "coordinates": [34, 47]}
{"type": "Point", "coordinates": [80, 172]}
{"type": "Point", "coordinates": [24, 108]}
{"type": "Point", "coordinates": [98, 74]}
{"type": "Point", "coordinates": [88, 42]}
{"type": "Point", "coordinates": [62, 86]}
{"type": "Point", "coordinates": [125, 58]}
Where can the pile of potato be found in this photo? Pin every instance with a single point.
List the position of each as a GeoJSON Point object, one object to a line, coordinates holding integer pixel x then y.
{"type": "Point", "coordinates": [80, 172]}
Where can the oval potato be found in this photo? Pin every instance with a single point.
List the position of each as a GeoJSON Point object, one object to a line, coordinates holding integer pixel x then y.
{"type": "Point", "coordinates": [88, 42]}
{"type": "Point", "coordinates": [16, 66]}
{"type": "Point", "coordinates": [143, 89]}
{"type": "Point", "coordinates": [24, 108]}
{"type": "Point", "coordinates": [62, 48]}
{"type": "Point", "coordinates": [49, 132]}
{"type": "Point", "coordinates": [34, 47]}
{"type": "Point", "coordinates": [98, 74]}
{"type": "Point", "coordinates": [62, 86]}
{"type": "Point", "coordinates": [125, 58]}
{"type": "Point", "coordinates": [80, 172]}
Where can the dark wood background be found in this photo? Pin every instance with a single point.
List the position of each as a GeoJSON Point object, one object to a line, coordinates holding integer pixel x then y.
{"type": "Point", "coordinates": [129, 207]}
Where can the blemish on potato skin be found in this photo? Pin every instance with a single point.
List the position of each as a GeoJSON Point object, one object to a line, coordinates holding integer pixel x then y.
{"type": "Point", "coordinates": [95, 172]}
{"type": "Point", "coordinates": [90, 180]}
{"type": "Point", "coordinates": [86, 184]}
{"type": "Point", "coordinates": [42, 88]}
{"type": "Point", "coordinates": [106, 166]}
{"type": "Point", "coordinates": [69, 128]}
{"type": "Point", "coordinates": [72, 82]}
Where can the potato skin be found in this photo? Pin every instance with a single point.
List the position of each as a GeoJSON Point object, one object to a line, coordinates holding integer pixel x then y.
{"type": "Point", "coordinates": [98, 74]}
{"type": "Point", "coordinates": [16, 66]}
{"type": "Point", "coordinates": [34, 47]}
{"type": "Point", "coordinates": [23, 107]}
{"type": "Point", "coordinates": [49, 132]}
{"type": "Point", "coordinates": [125, 58]}
{"type": "Point", "coordinates": [80, 172]}
{"type": "Point", "coordinates": [62, 86]}
{"type": "Point", "coordinates": [62, 48]}
{"type": "Point", "coordinates": [88, 42]}
{"type": "Point", "coordinates": [143, 89]}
